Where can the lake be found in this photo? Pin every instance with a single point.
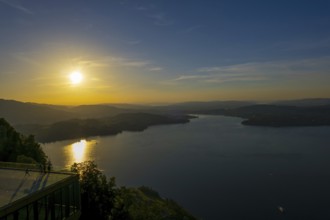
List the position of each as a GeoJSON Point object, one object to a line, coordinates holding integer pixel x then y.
{"type": "Point", "coordinates": [217, 168]}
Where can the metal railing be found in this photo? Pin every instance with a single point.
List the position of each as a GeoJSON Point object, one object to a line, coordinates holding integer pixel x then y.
{"type": "Point", "coordinates": [30, 166]}
{"type": "Point", "coordinates": [14, 165]}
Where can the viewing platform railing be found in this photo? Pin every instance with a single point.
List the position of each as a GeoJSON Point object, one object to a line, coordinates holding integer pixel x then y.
{"type": "Point", "coordinates": [30, 166]}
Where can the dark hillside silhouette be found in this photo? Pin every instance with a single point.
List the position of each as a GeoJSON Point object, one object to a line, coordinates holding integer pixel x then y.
{"type": "Point", "coordinates": [15, 147]}
{"type": "Point", "coordinates": [79, 128]}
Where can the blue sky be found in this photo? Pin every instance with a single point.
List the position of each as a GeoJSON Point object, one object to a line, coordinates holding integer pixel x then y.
{"type": "Point", "coordinates": [164, 51]}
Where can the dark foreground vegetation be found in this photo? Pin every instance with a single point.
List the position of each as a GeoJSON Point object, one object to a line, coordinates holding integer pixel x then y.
{"type": "Point", "coordinates": [100, 197]}
{"type": "Point", "coordinates": [15, 147]}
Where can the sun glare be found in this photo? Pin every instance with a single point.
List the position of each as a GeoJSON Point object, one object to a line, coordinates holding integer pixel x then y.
{"type": "Point", "coordinates": [78, 151]}
{"type": "Point", "coordinates": [76, 77]}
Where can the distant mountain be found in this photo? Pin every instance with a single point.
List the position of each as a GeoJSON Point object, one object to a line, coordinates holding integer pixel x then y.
{"type": "Point", "coordinates": [30, 116]}
{"type": "Point", "coordinates": [282, 116]}
{"type": "Point", "coordinates": [130, 106]}
{"type": "Point", "coordinates": [31, 113]}
{"type": "Point", "coordinates": [97, 111]}
{"type": "Point", "coordinates": [304, 102]}
{"type": "Point", "coordinates": [199, 107]}
{"type": "Point", "coordinates": [23, 113]}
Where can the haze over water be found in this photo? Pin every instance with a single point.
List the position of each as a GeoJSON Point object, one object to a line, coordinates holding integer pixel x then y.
{"type": "Point", "coordinates": [217, 168]}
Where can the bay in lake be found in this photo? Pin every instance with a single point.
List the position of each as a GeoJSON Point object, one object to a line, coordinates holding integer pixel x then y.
{"type": "Point", "coordinates": [217, 168]}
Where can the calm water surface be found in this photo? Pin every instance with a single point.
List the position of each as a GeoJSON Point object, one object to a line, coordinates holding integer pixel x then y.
{"type": "Point", "coordinates": [217, 168]}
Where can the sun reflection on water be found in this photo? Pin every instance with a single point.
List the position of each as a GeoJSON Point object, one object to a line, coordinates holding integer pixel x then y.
{"type": "Point", "coordinates": [80, 151]}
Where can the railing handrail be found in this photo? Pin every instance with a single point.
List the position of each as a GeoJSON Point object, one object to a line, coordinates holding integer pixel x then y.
{"type": "Point", "coordinates": [30, 166]}
{"type": "Point", "coordinates": [19, 165]}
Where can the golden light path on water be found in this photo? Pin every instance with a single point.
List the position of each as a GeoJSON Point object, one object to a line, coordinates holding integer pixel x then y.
{"type": "Point", "coordinates": [80, 151]}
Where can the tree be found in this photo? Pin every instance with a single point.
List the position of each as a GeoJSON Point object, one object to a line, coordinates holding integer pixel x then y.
{"type": "Point", "coordinates": [101, 199]}
{"type": "Point", "coordinates": [97, 194]}
{"type": "Point", "coordinates": [13, 146]}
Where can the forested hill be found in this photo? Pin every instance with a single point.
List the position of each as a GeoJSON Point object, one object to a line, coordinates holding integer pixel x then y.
{"type": "Point", "coordinates": [278, 115]}
{"type": "Point", "coordinates": [51, 122]}
{"type": "Point", "coordinates": [79, 128]}
{"type": "Point", "coordinates": [285, 116]}
{"type": "Point", "coordinates": [21, 113]}
{"type": "Point", "coordinates": [15, 147]}
{"type": "Point", "coordinates": [16, 112]}
{"type": "Point", "coordinates": [54, 122]}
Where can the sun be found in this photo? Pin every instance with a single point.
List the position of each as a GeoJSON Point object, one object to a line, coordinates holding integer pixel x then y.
{"type": "Point", "coordinates": [76, 77]}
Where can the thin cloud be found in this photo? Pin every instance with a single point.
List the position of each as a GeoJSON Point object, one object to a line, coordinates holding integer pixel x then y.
{"type": "Point", "coordinates": [274, 68]}
{"type": "Point", "coordinates": [89, 62]}
{"type": "Point", "coordinates": [17, 6]}
{"type": "Point", "coordinates": [214, 78]}
{"type": "Point", "coordinates": [191, 77]}
{"type": "Point", "coordinates": [108, 61]}
{"type": "Point", "coordinates": [126, 62]}
{"type": "Point", "coordinates": [155, 69]}
{"type": "Point", "coordinates": [135, 63]}
{"type": "Point", "coordinates": [161, 19]}
{"type": "Point", "coordinates": [259, 71]}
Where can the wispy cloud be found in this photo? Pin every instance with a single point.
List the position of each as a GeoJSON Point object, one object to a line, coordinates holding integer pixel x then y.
{"type": "Point", "coordinates": [217, 78]}
{"type": "Point", "coordinates": [85, 62]}
{"type": "Point", "coordinates": [17, 6]}
{"type": "Point", "coordinates": [274, 67]}
{"type": "Point", "coordinates": [157, 16]}
{"type": "Point", "coordinates": [157, 68]}
{"type": "Point", "coordinates": [161, 19]}
{"type": "Point", "coordinates": [125, 61]}
{"type": "Point", "coordinates": [191, 77]}
{"type": "Point", "coordinates": [108, 61]}
{"type": "Point", "coordinates": [258, 71]}
{"type": "Point", "coordinates": [134, 63]}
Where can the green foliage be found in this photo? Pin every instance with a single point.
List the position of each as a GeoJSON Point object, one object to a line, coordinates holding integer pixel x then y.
{"type": "Point", "coordinates": [25, 159]}
{"type": "Point", "coordinates": [97, 194]}
{"type": "Point", "coordinates": [145, 204]}
{"type": "Point", "coordinates": [14, 145]}
{"type": "Point", "coordinates": [101, 199]}
{"type": "Point", "coordinates": [149, 192]}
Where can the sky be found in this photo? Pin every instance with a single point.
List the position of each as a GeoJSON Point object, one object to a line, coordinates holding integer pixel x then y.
{"type": "Point", "coordinates": [164, 51]}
